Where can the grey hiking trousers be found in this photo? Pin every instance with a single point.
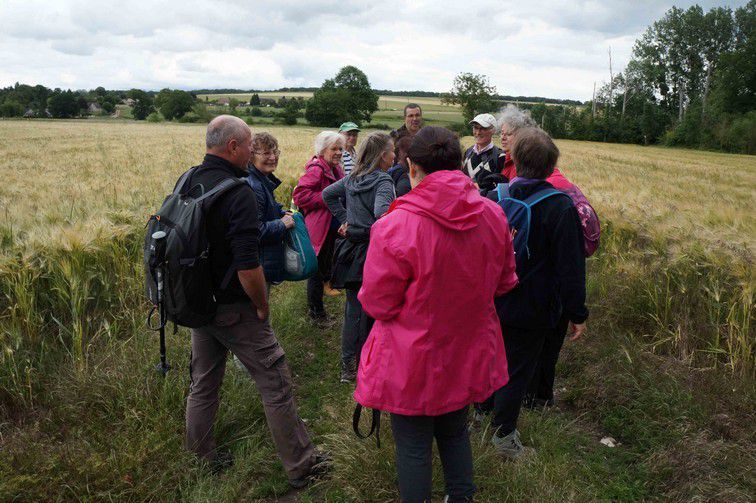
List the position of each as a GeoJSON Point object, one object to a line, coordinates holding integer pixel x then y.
{"type": "Point", "coordinates": [237, 328]}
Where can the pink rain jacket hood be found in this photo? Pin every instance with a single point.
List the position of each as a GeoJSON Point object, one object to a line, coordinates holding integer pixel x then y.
{"type": "Point", "coordinates": [308, 196]}
{"type": "Point", "coordinates": [435, 263]}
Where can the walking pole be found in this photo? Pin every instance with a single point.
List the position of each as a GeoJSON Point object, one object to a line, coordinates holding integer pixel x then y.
{"type": "Point", "coordinates": [159, 238]}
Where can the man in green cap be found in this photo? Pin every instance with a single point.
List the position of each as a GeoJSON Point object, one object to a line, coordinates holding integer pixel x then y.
{"type": "Point", "coordinates": [349, 130]}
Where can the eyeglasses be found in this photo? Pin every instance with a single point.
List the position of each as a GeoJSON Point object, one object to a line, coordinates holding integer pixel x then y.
{"type": "Point", "coordinates": [268, 153]}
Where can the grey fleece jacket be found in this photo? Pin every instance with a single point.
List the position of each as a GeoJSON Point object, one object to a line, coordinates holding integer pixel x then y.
{"type": "Point", "coordinates": [366, 197]}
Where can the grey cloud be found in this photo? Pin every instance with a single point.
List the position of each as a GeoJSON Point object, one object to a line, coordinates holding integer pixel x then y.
{"type": "Point", "coordinates": [74, 47]}
{"type": "Point", "coordinates": [555, 48]}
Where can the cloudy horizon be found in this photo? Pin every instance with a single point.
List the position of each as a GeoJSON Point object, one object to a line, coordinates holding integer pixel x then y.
{"type": "Point", "coordinates": [553, 49]}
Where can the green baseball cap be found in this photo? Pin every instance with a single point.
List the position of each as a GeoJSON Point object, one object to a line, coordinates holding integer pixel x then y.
{"type": "Point", "coordinates": [348, 126]}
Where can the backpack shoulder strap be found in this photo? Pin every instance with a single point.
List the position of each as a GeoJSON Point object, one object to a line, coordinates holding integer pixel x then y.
{"type": "Point", "coordinates": [539, 196]}
{"type": "Point", "coordinates": [184, 179]}
{"type": "Point", "coordinates": [211, 195]}
{"type": "Point", "coordinates": [502, 191]}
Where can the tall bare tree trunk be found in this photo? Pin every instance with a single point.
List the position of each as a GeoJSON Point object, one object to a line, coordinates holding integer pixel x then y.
{"type": "Point", "coordinates": [681, 99]}
{"type": "Point", "coordinates": [624, 101]}
{"type": "Point", "coordinates": [611, 81]}
{"type": "Point", "coordinates": [706, 93]}
{"type": "Point", "coordinates": [593, 101]}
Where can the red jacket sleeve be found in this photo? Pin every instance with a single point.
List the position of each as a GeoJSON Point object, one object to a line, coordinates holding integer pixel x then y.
{"type": "Point", "coordinates": [385, 278]}
{"type": "Point", "coordinates": [308, 194]}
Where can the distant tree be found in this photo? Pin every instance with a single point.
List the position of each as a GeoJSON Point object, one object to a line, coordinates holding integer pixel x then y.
{"type": "Point", "coordinates": [735, 85]}
{"type": "Point", "coordinates": [346, 97]}
{"type": "Point", "coordinates": [473, 93]}
{"type": "Point", "coordinates": [11, 109]}
{"type": "Point", "coordinates": [232, 104]}
{"type": "Point", "coordinates": [255, 100]}
{"type": "Point", "coordinates": [64, 104]}
{"type": "Point", "coordinates": [142, 104]}
{"type": "Point", "coordinates": [290, 113]}
{"type": "Point", "coordinates": [173, 104]}
{"type": "Point", "coordinates": [100, 91]}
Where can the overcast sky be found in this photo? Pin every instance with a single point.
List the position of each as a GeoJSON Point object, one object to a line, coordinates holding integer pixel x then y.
{"type": "Point", "coordinates": [552, 48]}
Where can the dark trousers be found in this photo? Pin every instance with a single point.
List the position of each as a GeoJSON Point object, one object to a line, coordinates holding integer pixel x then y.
{"type": "Point", "coordinates": [357, 326]}
{"type": "Point", "coordinates": [315, 283]}
{"type": "Point", "coordinates": [237, 328]}
{"type": "Point", "coordinates": [523, 348]}
{"type": "Point", "coordinates": [542, 384]}
{"type": "Point", "coordinates": [414, 436]}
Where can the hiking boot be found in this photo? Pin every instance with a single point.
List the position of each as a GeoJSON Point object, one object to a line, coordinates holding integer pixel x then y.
{"type": "Point", "coordinates": [477, 420]}
{"type": "Point", "coordinates": [329, 291]}
{"type": "Point", "coordinates": [348, 370]}
{"type": "Point", "coordinates": [466, 499]}
{"type": "Point", "coordinates": [318, 470]}
{"type": "Point", "coordinates": [322, 320]}
{"type": "Point", "coordinates": [510, 445]}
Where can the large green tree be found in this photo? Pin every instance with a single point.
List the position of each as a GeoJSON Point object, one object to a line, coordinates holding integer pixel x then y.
{"type": "Point", "coordinates": [173, 104]}
{"type": "Point", "coordinates": [143, 104]}
{"type": "Point", "coordinates": [63, 104]}
{"type": "Point", "coordinates": [473, 93]}
{"type": "Point", "coordinates": [346, 97]}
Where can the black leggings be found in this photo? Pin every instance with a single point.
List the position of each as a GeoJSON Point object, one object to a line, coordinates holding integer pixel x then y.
{"type": "Point", "coordinates": [523, 347]}
{"type": "Point", "coordinates": [315, 283]}
{"type": "Point", "coordinates": [542, 384]}
{"type": "Point", "coordinates": [414, 436]}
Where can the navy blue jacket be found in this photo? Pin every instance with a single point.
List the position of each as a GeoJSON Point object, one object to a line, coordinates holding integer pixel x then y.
{"type": "Point", "coordinates": [553, 282]}
{"type": "Point", "coordinates": [272, 229]}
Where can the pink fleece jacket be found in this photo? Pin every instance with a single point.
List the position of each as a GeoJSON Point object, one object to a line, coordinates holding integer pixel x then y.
{"type": "Point", "coordinates": [308, 196]}
{"type": "Point", "coordinates": [435, 263]}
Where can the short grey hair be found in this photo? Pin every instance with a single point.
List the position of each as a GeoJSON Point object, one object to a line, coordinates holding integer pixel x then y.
{"type": "Point", "coordinates": [225, 128]}
{"type": "Point", "coordinates": [515, 118]}
{"type": "Point", "coordinates": [325, 139]}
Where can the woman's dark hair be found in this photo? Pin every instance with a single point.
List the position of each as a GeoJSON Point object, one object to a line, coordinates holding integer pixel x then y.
{"type": "Point", "coordinates": [401, 148]}
{"type": "Point", "coordinates": [434, 149]}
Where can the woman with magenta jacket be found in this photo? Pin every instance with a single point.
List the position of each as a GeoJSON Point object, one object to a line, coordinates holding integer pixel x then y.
{"type": "Point", "coordinates": [320, 172]}
{"type": "Point", "coordinates": [436, 346]}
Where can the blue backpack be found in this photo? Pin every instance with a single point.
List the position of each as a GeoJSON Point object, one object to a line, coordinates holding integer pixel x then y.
{"type": "Point", "coordinates": [518, 215]}
{"type": "Point", "coordinates": [300, 261]}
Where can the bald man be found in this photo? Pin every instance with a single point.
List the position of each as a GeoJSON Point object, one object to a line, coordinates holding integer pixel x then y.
{"type": "Point", "coordinates": [241, 322]}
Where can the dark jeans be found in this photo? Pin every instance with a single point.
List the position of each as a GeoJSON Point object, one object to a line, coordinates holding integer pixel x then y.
{"type": "Point", "coordinates": [357, 326]}
{"type": "Point", "coordinates": [542, 384]}
{"type": "Point", "coordinates": [523, 348]}
{"type": "Point", "coordinates": [315, 283]}
{"type": "Point", "coordinates": [414, 435]}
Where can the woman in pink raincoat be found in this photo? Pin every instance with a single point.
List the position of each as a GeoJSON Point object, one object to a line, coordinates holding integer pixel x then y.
{"type": "Point", "coordinates": [320, 172]}
{"type": "Point", "coordinates": [435, 263]}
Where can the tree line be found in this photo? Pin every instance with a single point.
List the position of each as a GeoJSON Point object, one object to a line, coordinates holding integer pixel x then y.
{"type": "Point", "coordinates": [690, 82]}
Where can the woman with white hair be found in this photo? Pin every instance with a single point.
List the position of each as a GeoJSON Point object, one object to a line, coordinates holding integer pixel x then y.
{"type": "Point", "coordinates": [512, 120]}
{"type": "Point", "coordinates": [321, 171]}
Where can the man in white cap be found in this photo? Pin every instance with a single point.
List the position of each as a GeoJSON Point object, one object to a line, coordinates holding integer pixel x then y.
{"type": "Point", "coordinates": [484, 158]}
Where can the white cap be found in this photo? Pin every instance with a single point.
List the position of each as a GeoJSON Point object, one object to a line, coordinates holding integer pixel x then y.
{"type": "Point", "coordinates": [484, 120]}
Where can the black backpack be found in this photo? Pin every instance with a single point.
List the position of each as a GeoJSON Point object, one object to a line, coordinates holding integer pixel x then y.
{"type": "Point", "coordinates": [182, 253]}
